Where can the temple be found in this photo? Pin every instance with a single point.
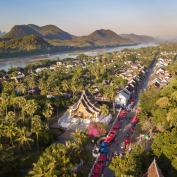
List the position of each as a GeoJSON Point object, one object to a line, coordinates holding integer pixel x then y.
{"type": "Point", "coordinates": [153, 170]}
{"type": "Point", "coordinates": [81, 114]}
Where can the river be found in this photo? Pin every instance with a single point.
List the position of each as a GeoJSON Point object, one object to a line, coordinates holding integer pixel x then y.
{"type": "Point", "coordinates": [7, 63]}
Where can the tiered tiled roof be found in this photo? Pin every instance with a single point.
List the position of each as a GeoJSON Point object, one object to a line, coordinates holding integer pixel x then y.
{"type": "Point", "coordinates": [154, 170]}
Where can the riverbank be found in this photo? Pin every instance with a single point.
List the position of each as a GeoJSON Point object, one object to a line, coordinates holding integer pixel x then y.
{"type": "Point", "coordinates": [7, 63]}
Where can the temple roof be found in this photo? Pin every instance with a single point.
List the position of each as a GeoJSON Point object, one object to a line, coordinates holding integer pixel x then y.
{"type": "Point", "coordinates": [84, 104]}
{"type": "Point", "coordinates": [154, 170]}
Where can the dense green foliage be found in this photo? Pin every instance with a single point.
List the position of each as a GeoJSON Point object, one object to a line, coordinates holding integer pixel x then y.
{"type": "Point", "coordinates": [30, 104]}
{"type": "Point", "coordinates": [132, 164]}
{"type": "Point", "coordinates": [159, 113]}
{"type": "Point", "coordinates": [62, 160]}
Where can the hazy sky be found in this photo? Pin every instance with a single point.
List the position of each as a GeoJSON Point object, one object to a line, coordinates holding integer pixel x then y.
{"type": "Point", "coordinates": [80, 17]}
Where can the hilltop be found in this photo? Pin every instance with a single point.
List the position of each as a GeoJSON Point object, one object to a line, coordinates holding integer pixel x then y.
{"type": "Point", "coordinates": [46, 32]}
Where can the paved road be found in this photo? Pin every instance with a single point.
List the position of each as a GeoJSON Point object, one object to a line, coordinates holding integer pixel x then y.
{"type": "Point", "coordinates": [116, 145]}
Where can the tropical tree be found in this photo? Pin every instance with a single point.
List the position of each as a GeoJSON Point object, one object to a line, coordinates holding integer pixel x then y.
{"type": "Point", "coordinates": [129, 164]}
{"type": "Point", "coordinates": [104, 109]}
{"type": "Point", "coordinates": [10, 132]}
{"type": "Point", "coordinates": [10, 118]}
{"type": "Point", "coordinates": [53, 162]}
{"type": "Point", "coordinates": [21, 88]}
{"type": "Point", "coordinates": [23, 139]}
{"type": "Point", "coordinates": [48, 111]}
{"type": "Point", "coordinates": [165, 147]}
{"type": "Point", "coordinates": [19, 103]}
{"type": "Point", "coordinates": [36, 127]}
{"type": "Point", "coordinates": [30, 107]}
{"type": "Point", "coordinates": [172, 117]}
{"type": "Point", "coordinates": [4, 102]}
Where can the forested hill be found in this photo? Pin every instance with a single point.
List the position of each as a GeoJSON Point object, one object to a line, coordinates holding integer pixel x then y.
{"type": "Point", "coordinates": [46, 32]}
{"type": "Point", "coordinates": [30, 39]}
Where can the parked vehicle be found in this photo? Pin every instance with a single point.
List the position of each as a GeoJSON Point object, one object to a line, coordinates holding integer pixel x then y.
{"type": "Point", "coordinates": [115, 128]}
{"type": "Point", "coordinates": [110, 138]}
{"type": "Point", "coordinates": [134, 120]}
{"type": "Point", "coordinates": [98, 167]}
{"type": "Point", "coordinates": [123, 114]}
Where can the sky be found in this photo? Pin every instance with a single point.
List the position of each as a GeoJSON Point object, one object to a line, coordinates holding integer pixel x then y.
{"type": "Point", "coordinates": [81, 17]}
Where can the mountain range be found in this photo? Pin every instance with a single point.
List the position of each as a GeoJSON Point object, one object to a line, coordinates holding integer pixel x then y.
{"type": "Point", "coordinates": [32, 39]}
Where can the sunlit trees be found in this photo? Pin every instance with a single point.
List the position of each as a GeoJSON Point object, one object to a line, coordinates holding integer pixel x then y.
{"type": "Point", "coordinates": [36, 125]}
{"type": "Point", "coordinates": [165, 147]}
{"type": "Point", "coordinates": [129, 164]}
{"type": "Point", "coordinates": [104, 109]}
{"type": "Point", "coordinates": [53, 162]}
{"type": "Point", "coordinates": [21, 88]}
{"type": "Point", "coordinates": [48, 111]}
{"type": "Point", "coordinates": [58, 159]}
{"type": "Point", "coordinates": [23, 139]}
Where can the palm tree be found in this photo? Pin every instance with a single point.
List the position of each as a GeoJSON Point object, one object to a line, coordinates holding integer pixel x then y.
{"type": "Point", "coordinates": [57, 103]}
{"type": "Point", "coordinates": [65, 85]}
{"type": "Point", "coordinates": [73, 87]}
{"type": "Point", "coordinates": [4, 102]}
{"type": "Point", "coordinates": [48, 111]}
{"type": "Point", "coordinates": [21, 88]}
{"type": "Point", "coordinates": [36, 127]}
{"type": "Point", "coordinates": [53, 162]}
{"type": "Point", "coordinates": [20, 103]}
{"type": "Point", "coordinates": [23, 139]}
{"type": "Point", "coordinates": [31, 81]}
{"type": "Point", "coordinates": [10, 118]}
{"type": "Point", "coordinates": [2, 131]}
{"type": "Point", "coordinates": [30, 107]}
{"type": "Point", "coordinates": [79, 137]}
{"type": "Point", "coordinates": [104, 109]}
{"type": "Point", "coordinates": [43, 87]}
{"type": "Point", "coordinates": [10, 132]}
{"type": "Point", "coordinates": [110, 94]}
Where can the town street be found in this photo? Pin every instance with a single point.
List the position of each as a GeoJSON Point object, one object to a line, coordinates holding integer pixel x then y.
{"type": "Point", "coordinates": [125, 124]}
{"type": "Point", "coordinates": [115, 147]}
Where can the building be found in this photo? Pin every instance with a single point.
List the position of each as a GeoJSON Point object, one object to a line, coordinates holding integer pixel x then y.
{"type": "Point", "coordinates": [153, 170]}
{"type": "Point", "coordinates": [81, 114]}
{"type": "Point", "coordinates": [122, 98]}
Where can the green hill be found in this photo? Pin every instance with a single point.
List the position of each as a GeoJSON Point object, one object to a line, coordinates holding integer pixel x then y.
{"type": "Point", "coordinates": [22, 39]}
{"type": "Point", "coordinates": [46, 32]}
{"type": "Point", "coordinates": [98, 38]}
{"type": "Point", "coordinates": [30, 44]}
{"type": "Point", "coordinates": [138, 38]}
